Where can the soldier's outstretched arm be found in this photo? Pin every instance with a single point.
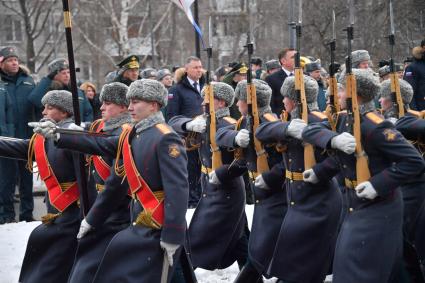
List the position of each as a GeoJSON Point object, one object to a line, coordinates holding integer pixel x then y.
{"type": "Point", "coordinates": [14, 148]}
{"type": "Point", "coordinates": [405, 161]}
{"type": "Point", "coordinates": [271, 132]}
{"type": "Point", "coordinates": [172, 161]}
{"type": "Point", "coordinates": [319, 134]}
{"type": "Point", "coordinates": [411, 126]}
{"type": "Point", "coordinates": [104, 146]}
{"type": "Point", "coordinates": [225, 137]}
{"type": "Point", "coordinates": [178, 123]}
{"type": "Point", "coordinates": [108, 199]}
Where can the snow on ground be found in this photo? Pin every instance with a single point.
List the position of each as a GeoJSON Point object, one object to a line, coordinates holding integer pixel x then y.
{"type": "Point", "coordinates": [13, 239]}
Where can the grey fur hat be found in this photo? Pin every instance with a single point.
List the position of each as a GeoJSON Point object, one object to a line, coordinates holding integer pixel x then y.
{"type": "Point", "coordinates": [273, 64]}
{"type": "Point", "coordinates": [359, 56]}
{"type": "Point", "coordinates": [263, 91]}
{"type": "Point", "coordinates": [148, 73]}
{"type": "Point", "coordinates": [61, 99]}
{"type": "Point", "coordinates": [222, 91]}
{"type": "Point", "coordinates": [114, 92]}
{"type": "Point", "coordinates": [58, 65]}
{"type": "Point", "coordinates": [406, 90]}
{"type": "Point", "coordinates": [310, 85]}
{"type": "Point", "coordinates": [368, 85]}
{"type": "Point", "coordinates": [148, 90]}
{"type": "Point", "coordinates": [383, 71]}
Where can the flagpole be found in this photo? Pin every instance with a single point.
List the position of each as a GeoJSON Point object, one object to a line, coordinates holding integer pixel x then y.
{"type": "Point", "coordinates": [196, 17]}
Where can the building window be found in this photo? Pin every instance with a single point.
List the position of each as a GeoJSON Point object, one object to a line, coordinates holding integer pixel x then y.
{"type": "Point", "coordinates": [13, 29]}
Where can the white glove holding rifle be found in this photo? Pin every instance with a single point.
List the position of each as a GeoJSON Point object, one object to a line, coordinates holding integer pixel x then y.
{"type": "Point", "coordinates": [170, 250]}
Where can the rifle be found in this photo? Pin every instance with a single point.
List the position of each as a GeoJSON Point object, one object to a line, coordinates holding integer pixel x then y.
{"type": "Point", "coordinates": [252, 118]}
{"type": "Point", "coordinates": [77, 157]}
{"type": "Point", "coordinates": [395, 85]}
{"type": "Point", "coordinates": [309, 159]}
{"type": "Point", "coordinates": [362, 168]}
{"type": "Point", "coordinates": [210, 110]}
{"type": "Point", "coordinates": [333, 108]}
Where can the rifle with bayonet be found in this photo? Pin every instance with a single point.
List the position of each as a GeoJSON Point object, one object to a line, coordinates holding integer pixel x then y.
{"type": "Point", "coordinates": [252, 118]}
{"type": "Point", "coordinates": [309, 159]}
{"type": "Point", "coordinates": [210, 110]}
{"type": "Point", "coordinates": [353, 112]}
{"type": "Point", "coordinates": [333, 107]}
{"type": "Point", "coordinates": [77, 157]}
{"type": "Point", "coordinates": [395, 85]}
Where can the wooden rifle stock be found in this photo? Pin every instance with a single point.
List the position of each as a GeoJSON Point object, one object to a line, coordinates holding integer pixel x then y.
{"type": "Point", "coordinates": [396, 95]}
{"type": "Point", "coordinates": [309, 158]}
{"type": "Point", "coordinates": [362, 166]}
{"type": "Point", "coordinates": [216, 153]}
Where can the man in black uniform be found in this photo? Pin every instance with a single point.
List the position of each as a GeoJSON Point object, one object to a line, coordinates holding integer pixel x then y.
{"type": "Point", "coordinates": [91, 247]}
{"type": "Point", "coordinates": [369, 244]}
{"type": "Point", "coordinates": [154, 164]}
{"type": "Point", "coordinates": [412, 127]}
{"type": "Point", "coordinates": [270, 202]}
{"type": "Point", "coordinates": [216, 231]}
{"type": "Point", "coordinates": [51, 245]}
{"type": "Point", "coordinates": [129, 70]}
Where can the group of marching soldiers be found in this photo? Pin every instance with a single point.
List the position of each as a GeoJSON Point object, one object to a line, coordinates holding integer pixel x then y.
{"type": "Point", "coordinates": [340, 192]}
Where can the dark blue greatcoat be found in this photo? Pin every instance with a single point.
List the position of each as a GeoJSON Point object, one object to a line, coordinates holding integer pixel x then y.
{"type": "Point", "coordinates": [307, 236]}
{"type": "Point", "coordinates": [134, 254]}
{"type": "Point", "coordinates": [219, 220]}
{"type": "Point", "coordinates": [370, 240]}
{"type": "Point", "coordinates": [270, 205]}
{"type": "Point", "coordinates": [413, 129]}
{"type": "Point", "coordinates": [51, 247]}
{"type": "Point", "coordinates": [92, 246]}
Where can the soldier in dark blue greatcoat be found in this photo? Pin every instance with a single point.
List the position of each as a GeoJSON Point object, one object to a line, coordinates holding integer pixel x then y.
{"type": "Point", "coordinates": [369, 245]}
{"type": "Point", "coordinates": [412, 127]}
{"type": "Point", "coordinates": [154, 165]}
{"type": "Point", "coordinates": [216, 232]}
{"type": "Point", "coordinates": [115, 118]}
{"type": "Point", "coordinates": [308, 233]}
{"type": "Point", "coordinates": [51, 245]}
{"type": "Point", "coordinates": [270, 201]}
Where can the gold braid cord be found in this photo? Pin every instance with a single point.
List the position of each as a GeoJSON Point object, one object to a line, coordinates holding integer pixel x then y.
{"type": "Point", "coordinates": [119, 170]}
{"type": "Point", "coordinates": [145, 217]}
{"type": "Point", "coordinates": [30, 158]}
{"type": "Point", "coordinates": [238, 151]}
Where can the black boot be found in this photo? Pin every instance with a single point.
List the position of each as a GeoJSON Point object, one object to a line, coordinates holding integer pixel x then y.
{"type": "Point", "coordinates": [248, 274]}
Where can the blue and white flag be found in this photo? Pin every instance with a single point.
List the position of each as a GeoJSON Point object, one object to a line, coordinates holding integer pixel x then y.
{"type": "Point", "coordinates": [185, 6]}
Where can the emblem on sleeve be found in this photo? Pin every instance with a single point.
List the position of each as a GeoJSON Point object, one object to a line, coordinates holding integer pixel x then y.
{"type": "Point", "coordinates": [390, 135]}
{"type": "Point", "coordinates": [173, 150]}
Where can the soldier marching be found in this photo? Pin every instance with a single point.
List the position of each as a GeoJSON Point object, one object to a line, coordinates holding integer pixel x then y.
{"type": "Point", "coordinates": [339, 191]}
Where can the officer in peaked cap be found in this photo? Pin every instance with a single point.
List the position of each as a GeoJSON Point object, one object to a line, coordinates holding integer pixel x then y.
{"type": "Point", "coordinates": [233, 77]}
{"type": "Point", "coordinates": [129, 70]}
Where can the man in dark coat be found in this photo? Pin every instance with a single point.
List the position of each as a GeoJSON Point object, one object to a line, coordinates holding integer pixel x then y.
{"type": "Point", "coordinates": [154, 164]}
{"type": "Point", "coordinates": [18, 85]}
{"type": "Point", "coordinates": [185, 99]}
{"type": "Point", "coordinates": [369, 245]}
{"type": "Point", "coordinates": [216, 238]}
{"type": "Point", "coordinates": [59, 79]}
{"type": "Point", "coordinates": [414, 74]}
{"type": "Point", "coordinates": [129, 70]}
{"type": "Point", "coordinates": [51, 245]}
{"type": "Point", "coordinates": [275, 80]}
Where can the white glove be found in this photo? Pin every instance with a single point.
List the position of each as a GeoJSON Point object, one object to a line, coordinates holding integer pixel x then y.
{"type": "Point", "coordinates": [392, 120]}
{"type": "Point", "coordinates": [366, 190]}
{"type": "Point", "coordinates": [296, 127]}
{"type": "Point", "coordinates": [199, 125]}
{"type": "Point", "coordinates": [260, 183]}
{"type": "Point", "coordinates": [170, 250]}
{"type": "Point", "coordinates": [310, 177]}
{"type": "Point", "coordinates": [242, 138]}
{"type": "Point", "coordinates": [74, 126]}
{"type": "Point", "coordinates": [344, 142]}
{"type": "Point", "coordinates": [85, 227]}
{"type": "Point", "coordinates": [46, 128]}
{"type": "Point", "coordinates": [213, 179]}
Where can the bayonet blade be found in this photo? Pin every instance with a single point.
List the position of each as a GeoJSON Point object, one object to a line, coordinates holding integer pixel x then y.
{"type": "Point", "coordinates": [392, 18]}
{"type": "Point", "coordinates": [300, 12]}
{"type": "Point", "coordinates": [333, 25]}
{"type": "Point", "coordinates": [210, 32]}
{"type": "Point", "coordinates": [351, 7]}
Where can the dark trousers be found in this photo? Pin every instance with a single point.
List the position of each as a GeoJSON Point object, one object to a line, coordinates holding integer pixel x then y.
{"type": "Point", "coordinates": [14, 173]}
{"type": "Point", "coordinates": [194, 172]}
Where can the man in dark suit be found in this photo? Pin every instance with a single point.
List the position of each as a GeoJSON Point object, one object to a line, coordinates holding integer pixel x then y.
{"type": "Point", "coordinates": [275, 80]}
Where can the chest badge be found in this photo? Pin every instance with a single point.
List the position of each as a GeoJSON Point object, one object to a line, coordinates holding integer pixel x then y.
{"type": "Point", "coordinates": [173, 150]}
{"type": "Point", "coordinates": [390, 135]}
